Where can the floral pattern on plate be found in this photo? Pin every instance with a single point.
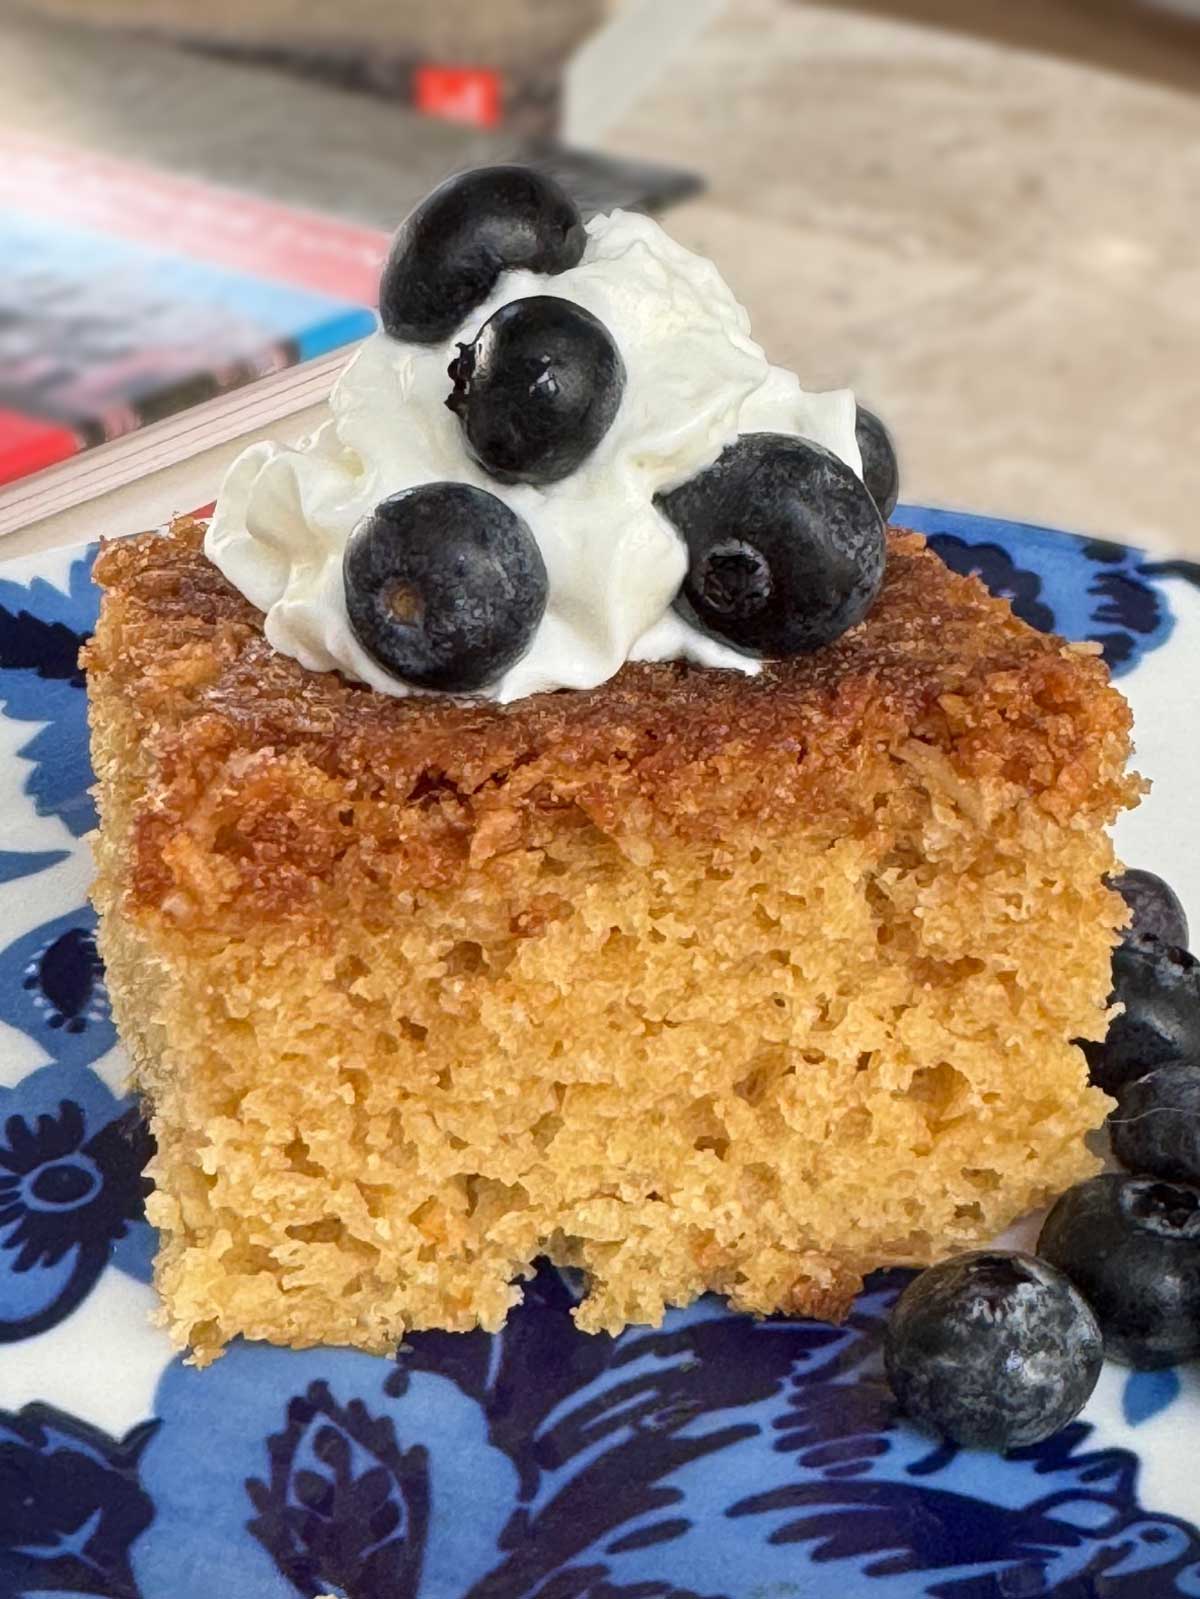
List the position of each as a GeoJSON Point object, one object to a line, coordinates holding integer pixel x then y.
{"type": "Point", "coordinates": [713, 1456]}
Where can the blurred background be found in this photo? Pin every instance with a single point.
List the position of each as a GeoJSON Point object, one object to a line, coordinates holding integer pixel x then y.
{"type": "Point", "coordinates": [982, 217]}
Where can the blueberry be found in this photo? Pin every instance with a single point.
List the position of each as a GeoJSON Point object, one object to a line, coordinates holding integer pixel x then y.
{"type": "Point", "coordinates": [1131, 1245]}
{"type": "Point", "coordinates": [992, 1350]}
{"type": "Point", "coordinates": [1156, 910]}
{"type": "Point", "coordinates": [445, 586]}
{"type": "Point", "coordinates": [785, 546]}
{"type": "Point", "coordinates": [449, 252]}
{"type": "Point", "coordinates": [881, 473]}
{"type": "Point", "coordinates": [537, 390]}
{"type": "Point", "coordinates": [1159, 986]}
{"type": "Point", "coordinates": [1155, 1129]}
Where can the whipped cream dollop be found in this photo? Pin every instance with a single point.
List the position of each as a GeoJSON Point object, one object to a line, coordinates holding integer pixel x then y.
{"type": "Point", "coordinates": [695, 380]}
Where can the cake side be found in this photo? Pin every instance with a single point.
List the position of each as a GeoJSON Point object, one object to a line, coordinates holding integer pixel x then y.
{"type": "Point", "coordinates": [693, 981]}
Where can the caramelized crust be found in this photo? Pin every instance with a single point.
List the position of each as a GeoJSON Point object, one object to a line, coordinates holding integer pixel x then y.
{"type": "Point", "coordinates": [296, 778]}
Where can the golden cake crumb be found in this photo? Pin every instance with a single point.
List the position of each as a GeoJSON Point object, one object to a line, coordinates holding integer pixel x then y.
{"type": "Point", "coordinates": [694, 981]}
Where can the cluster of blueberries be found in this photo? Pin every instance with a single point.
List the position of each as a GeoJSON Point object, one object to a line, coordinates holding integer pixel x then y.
{"type": "Point", "coordinates": [999, 1350]}
{"type": "Point", "coordinates": [445, 585]}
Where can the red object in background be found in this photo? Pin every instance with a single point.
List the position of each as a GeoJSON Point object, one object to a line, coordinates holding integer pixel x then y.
{"type": "Point", "coordinates": [27, 444]}
{"type": "Point", "coordinates": [458, 94]}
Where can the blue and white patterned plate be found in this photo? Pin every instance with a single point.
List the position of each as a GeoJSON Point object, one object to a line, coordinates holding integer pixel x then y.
{"type": "Point", "coordinates": [715, 1456]}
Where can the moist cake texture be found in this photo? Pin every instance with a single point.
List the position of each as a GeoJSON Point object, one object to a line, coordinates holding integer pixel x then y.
{"type": "Point", "coordinates": [693, 981]}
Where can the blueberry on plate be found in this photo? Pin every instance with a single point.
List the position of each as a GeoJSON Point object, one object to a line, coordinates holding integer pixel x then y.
{"type": "Point", "coordinates": [449, 252]}
{"type": "Point", "coordinates": [881, 472]}
{"type": "Point", "coordinates": [537, 390]}
{"type": "Point", "coordinates": [1159, 986]}
{"type": "Point", "coordinates": [785, 545]}
{"type": "Point", "coordinates": [992, 1350]}
{"type": "Point", "coordinates": [1131, 1245]}
{"type": "Point", "coordinates": [1155, 1128]}
{"type": "Point", "coordinates": [1154, 906]}
{"type": "Point", "coordinates": [445, 586]}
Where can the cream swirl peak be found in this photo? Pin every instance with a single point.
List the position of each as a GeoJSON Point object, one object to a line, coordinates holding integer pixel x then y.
{"type": "Point", "coordinates": [694, 381]}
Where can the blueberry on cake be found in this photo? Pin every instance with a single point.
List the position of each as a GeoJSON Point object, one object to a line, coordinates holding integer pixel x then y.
{"type": "Point", "coordinates": [547, 814]}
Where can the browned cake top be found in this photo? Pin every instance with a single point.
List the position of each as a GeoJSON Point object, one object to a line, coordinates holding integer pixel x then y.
{"type": "Point", "coordinates": [938, 663]}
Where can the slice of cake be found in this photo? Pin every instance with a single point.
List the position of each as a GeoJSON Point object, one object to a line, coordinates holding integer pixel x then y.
{"type": "Point", "coordinates": [694, 980]}
{"type": "Point", "coordinates": [544, 814]}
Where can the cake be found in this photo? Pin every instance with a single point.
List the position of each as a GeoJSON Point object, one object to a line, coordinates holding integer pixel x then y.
{"type": "Point", "coordinates": [693, 981]}
{"type": "Point", "coordinates": [560, 822]}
